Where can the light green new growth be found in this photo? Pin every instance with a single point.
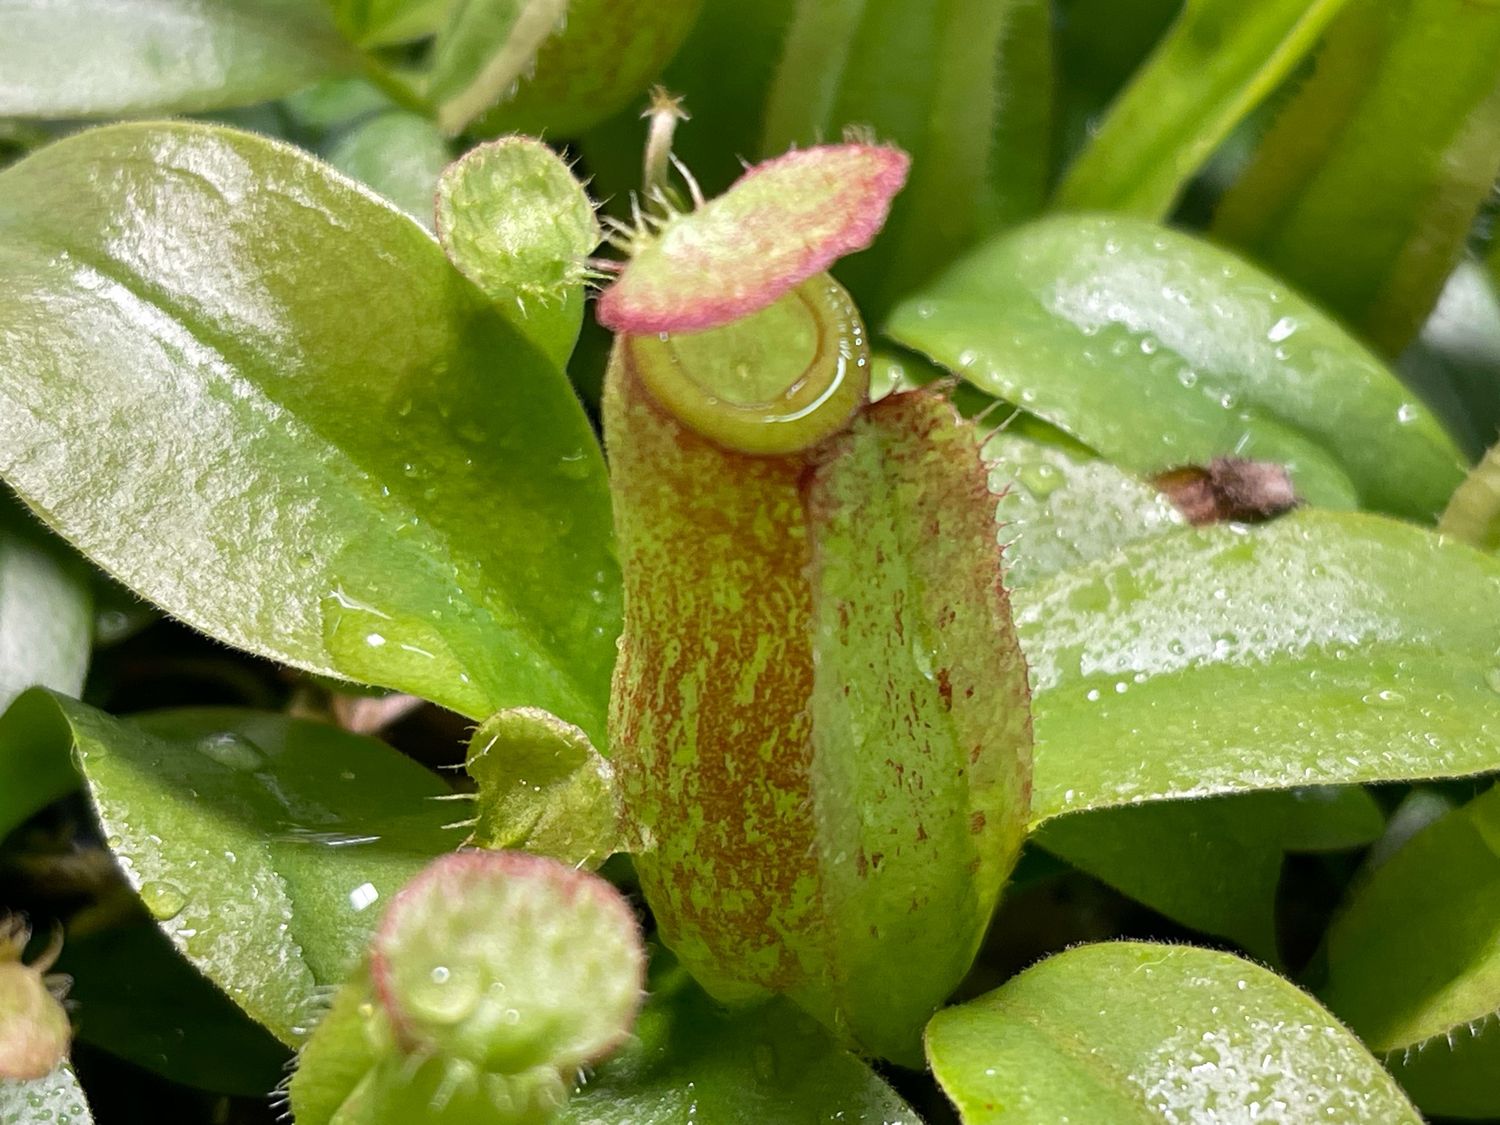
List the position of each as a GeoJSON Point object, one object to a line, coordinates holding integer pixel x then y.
{"type": "Point", "coordinates": [515, 221]}
{"type": "Point", "coordinates": [494, 978]}
{"type": "Point", "coordinates": [543, 788]}
{"type": "Point", "coordinates": [1474, 512]}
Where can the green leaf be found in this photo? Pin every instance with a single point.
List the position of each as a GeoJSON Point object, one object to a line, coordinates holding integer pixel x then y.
{"type": "Point", "coordinates": [1455, 362]}
{"type": "Point", "coordinates": [1127, 1032]}
{"type": "Point", "coordinates": [924, 76]}
{"type": "Point", "coordinates": [543, 788]}
{"type": "Point", "coordinates": [1214, 865]}
{"type": "Point", "coordinates": [1060, 507]}
{"type": "Point", "coordinates": [690, 1061]}
{"type": "Point", "coordinates": [1473, 514]}
{"type": "Point", "coordinates": [398, 154]}
{"type": "Point", "coordinates": [1456, 1080]}
{"type": "Point", "coordinates": [22, 1103]}
{"type": "Point", "coordinates": [136, 998]}
{"type": "Point", "coordinates": [1414, 960]}
{"type": "Point", "coordinates": [235, 823]}
{"type": "Point", "coordinates": [1218, 61]}
{"type": "Point", "coordinates": [515, 221]}
{"type": "Point", "coordinates": [46, 611]}
{"type": "Point", "coordinates": [264, 400]}
{"type": "Point", "coordinates": [1363, 192]}
{"type": "Point", "coordinates": [1158, 350]}
{"type": "Point", "coordinates": [110, 58]}
{"type": "Point", "coordinates": [482, 51]}
{"type": "Point", "coordinates": [1321, 649]}
{"type": "Point", "coordinates": [375, 23]}
{"type": "Point", "coordinates": [604, 57]}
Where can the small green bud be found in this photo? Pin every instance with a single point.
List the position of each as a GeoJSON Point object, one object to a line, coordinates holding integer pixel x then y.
{"type": "Point", "coordinates": [493, 979]}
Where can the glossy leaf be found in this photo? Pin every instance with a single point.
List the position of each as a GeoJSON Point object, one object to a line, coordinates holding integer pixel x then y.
{"type": "Point", "coordinates": [400, 155]}
{"type": "Point", "coordinates": [321, 443]}
{"type": "Point", "coordinates": [1320, 649]}
{"type": "Point", "coordinates": [1363, 192]}
{"type": "Point", "coordinates": [691, 1061]}
{"type": "Point", "coordinates": [1060, 507]}
{"type": "Point", "coordinates": [1214, 865]}
{"type": "Point", "coordinates": [514, 220]}
{"type": "Point", "coordinates": [111, 58]}
{"type": "Point", "coordinates": [1159, 350]}
{"type": "Point", "coordinates": [136, 997]}
{"type": "Point", "coordinates": [1473, 514]}
{"type": "Point", "coordinates": [1155, 1033]}
{"type": "Point", "coordinates": [482, 52]}
{"type": "Point", "coordinates": [1218, 61]}
{"type": "Point", "coordinates": [46, 612]}
{"type": "Point", "coordinates": [258, 843]}
{"type": "Point", "coordinates": [601, 62]}
{"type": "Point", "coordinates": [925, 76]}
{"type": "Point", "coordinates": [1413, 960]}
{"type": "Point", "coordinates": [22, 1103]}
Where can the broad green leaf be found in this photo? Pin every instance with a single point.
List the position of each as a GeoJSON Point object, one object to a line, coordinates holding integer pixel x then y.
{"type": "Point", "coordinates": [398, 154]}
{"type": "Point", "coordinates": [690, 1061]}
{"type": "Point", "coordinates": [58, 1095]}
{"type": "Point", "coordinates": [1141, 1033]}
{"type": "Point", "coordinates": [1213, 865]}
{"type": "Point", "coordinates": [1158, 350]}
{"type": "Point", "coordinates": [514, 220]}
{"type": "Point", "coordinates": [1060, 508]}
{"type": "Point", "coordinates": [1455, 362]}
{"type": "Point", "coordinates": [135, 997]}
{"type": "Point", "coordinates": [46, 612]}
{"type": "Point", "coordinates": [1414, 957]}
{"type": "Point", "coordinates": [924, 75]}
{"type": "Point", "coordinates": [1473, 514]}
{"type": "Point", "coordinates": [1321, 649]}
{"type": "Point", "coordinates": [1363, 192]}
{"type": "Point", "coordinates": [602, 60]}
{"type": "Point", "coordinates": [482, 51]}
{"type": "Point", "coordinates": [1218, 61]}
{"type": "Point", "coordinates": [259, 843]}
{"type": "Point", "coordinates": [264, 400]}
{"type": "Point", "coordinates": [109, 58]}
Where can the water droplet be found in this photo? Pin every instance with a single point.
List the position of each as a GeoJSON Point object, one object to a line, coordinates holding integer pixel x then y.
{"type": "Point", "coordinates": [1148, 346]}
{"type": "Point", "coordinates": [234, 750]}
{"type": "Point", "coordinates": [573, 467]}
{"type": "Point", "coordinates": [374, 640]}
{"type": "Point", "coordinates": [1406, 414]}
{"type": "Point", "coordinates": [1282, 329]}
{"type": "Point", "coordinates": [1385, 698]}
{"type": "Point", "coordinates": [449, 994]}
{"type": "Point", "coordinates": [1040, 480]}
{"type": "Point", "coordinates": [164, 900]}
{"type": "Point", "coordinates": [1492, 677]}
